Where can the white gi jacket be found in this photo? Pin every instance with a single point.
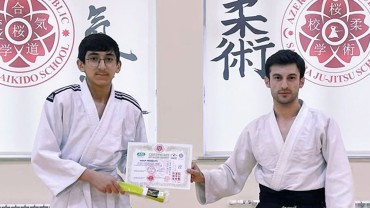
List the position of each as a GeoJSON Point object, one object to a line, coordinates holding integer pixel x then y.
{"type": "Point", "coordinates": [71, 138]}
{"type": "Point", "coordinates": [312, 157]}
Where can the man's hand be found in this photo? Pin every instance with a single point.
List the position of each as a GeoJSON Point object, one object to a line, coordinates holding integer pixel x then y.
{"type": "Point", "coordinates": [103, 182]}
{"type": "Point", "coordinates": [196, 174]}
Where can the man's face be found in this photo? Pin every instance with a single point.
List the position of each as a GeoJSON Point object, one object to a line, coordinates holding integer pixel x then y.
{"type": "Point", "coordinates": [99, 67]}
{"type": "Point", "coordinates": [284, 83]}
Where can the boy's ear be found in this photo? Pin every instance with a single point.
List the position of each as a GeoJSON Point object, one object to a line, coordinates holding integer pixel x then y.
{"type": "Point", "coordinates": [119, 65]}
{"type": "Point", "coordinates": [80, 65]}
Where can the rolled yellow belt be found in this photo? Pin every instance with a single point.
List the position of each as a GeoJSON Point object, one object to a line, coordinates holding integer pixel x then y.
{"type": "Point", "coordinates": [150, 193]}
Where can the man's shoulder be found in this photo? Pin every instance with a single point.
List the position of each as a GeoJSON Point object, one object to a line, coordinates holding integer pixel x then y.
{"type": "Point", "coordinates": [124, 97]}
{"type": "Point", "coordinates": [259, 122]}
{"type": "Point", "coordinates": [318, 114]}
{"type": "Point", "coordinates": [67, 89]}
{"type": "Point", "coordinates": [314, 112]}
{"type": "Point", "coordinates": [262, 118]}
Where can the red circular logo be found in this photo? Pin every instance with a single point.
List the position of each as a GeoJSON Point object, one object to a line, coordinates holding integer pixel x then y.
{"type": "Point", "coordinates": [159, 148]}
{"type": "Point", "coordinates": [36, 40]}
{"type": "Point", "coordinates": [150, 178]}
{"type": "Point", "coordinates": [332, 36]}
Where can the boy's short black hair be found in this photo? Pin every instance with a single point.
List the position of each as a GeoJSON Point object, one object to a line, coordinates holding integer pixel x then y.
{"type": "Point", "coordinates": [97, 42]}
{"type": "Point", "coordinates": [284, 57]}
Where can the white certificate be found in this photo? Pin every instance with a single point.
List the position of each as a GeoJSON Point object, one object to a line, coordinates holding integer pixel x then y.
{"type": "Point", "coordinates": [159, 165]}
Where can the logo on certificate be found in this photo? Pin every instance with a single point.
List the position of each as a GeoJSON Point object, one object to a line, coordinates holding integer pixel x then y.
{"type": "Point", "coordinates": [332, 36]}
{"type": "Point", "coordinates": [159, 148]}
{"type": "Point", "coordinates": [36, 39]}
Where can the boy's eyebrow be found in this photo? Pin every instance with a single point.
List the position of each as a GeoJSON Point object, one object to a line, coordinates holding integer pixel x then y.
{"type": "Point", "coordinates": [96, 53]}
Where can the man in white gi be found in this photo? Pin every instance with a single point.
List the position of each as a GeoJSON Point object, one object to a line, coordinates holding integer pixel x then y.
{"type": "Point", "coordinates": [84, 131]}
{"type": "Point", "coordinates": [297, 151]}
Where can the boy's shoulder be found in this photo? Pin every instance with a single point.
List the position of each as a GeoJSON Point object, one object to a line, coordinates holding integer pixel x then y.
{"type": "Point", "coordinates": [66, 89]}
{"type": "Point", "coordinates": [126, 97]}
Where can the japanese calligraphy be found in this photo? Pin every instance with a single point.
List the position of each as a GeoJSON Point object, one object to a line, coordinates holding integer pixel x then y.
{"type": "Point", "coordinates": [98, 21]}
{"type": "Point", "coordinates": [234, 54]}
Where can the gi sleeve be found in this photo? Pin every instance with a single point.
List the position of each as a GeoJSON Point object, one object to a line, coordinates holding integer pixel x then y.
{"type": "Point", "coordinates": [229, 178]}
{"type": "Point", "coordinates": [55, 172]}
{"type": "Point", "coordinates": [338, 179]}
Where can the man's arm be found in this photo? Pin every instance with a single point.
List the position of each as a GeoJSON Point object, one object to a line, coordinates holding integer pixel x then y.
{"type": "Point", "coordinates": [338, 179]}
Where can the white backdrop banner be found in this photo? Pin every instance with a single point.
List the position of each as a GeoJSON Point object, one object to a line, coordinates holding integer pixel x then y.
{"type": "Point", "coordinates": [331, 35]}
{"type": "Point", "coordinates": [38, 51]}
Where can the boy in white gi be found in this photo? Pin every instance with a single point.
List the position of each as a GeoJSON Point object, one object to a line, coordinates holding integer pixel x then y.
{"type": "Point", "coordinates": [84, 131]}
{"type": "Point", "coordinates": [297, 151]}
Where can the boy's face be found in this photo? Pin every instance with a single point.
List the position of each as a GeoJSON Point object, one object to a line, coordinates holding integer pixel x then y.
{"type": "Point", "coordinates": [284, 82]}
{"type": "Point", "coordinates": [99, 67]}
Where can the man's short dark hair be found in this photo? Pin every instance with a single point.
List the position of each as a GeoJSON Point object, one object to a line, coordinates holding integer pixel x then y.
{"type": "Point", "coordinates": [285, 57]}
{"type": "Point", "coordinates": [97, 42]}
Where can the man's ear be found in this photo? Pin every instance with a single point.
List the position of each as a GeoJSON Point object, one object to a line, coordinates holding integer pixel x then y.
{"type": "Point", "coordinates": [267, 81]}
{"type": "Point", "coordinates": [301, 82]}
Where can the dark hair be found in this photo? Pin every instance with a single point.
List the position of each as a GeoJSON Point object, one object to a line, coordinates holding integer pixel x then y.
{"type": "Point", "coordinates": [97, 42]}
{"type": "Point", "coordinates": [284, 57]}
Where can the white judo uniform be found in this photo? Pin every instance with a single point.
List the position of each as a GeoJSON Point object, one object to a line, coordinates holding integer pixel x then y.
{"type": "Point", "coordinates": [71, 138]}
{"type": "Point", "coordinates": [312, 157]}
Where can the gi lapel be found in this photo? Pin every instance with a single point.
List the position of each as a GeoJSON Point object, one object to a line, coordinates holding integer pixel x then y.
{"type": "Point", "coordinates": [287, 147]}
{"type": "Point", "coordinates": [96, 123]}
